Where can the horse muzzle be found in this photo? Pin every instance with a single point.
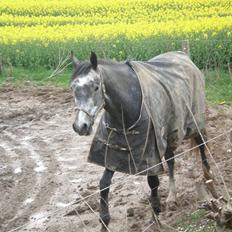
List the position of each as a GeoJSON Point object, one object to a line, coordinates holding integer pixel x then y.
{"type": "Point", "coordinates": [84, 129]}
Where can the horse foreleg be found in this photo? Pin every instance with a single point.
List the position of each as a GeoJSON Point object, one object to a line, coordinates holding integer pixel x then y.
{"type": "Point", "coordinates": [153, 182]}
{"type": "Point", "coordinates": [171, 199]}
{"type": "Point", "coordinates": [104, 191]}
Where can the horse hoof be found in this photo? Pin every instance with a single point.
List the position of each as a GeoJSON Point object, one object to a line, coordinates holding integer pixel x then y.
{"type": "Point", "coordinates": [103, 229]}
{"type": "Point", "coordinates": [157, 211]}
{"type": "Point", "coordinates": [105, 220]}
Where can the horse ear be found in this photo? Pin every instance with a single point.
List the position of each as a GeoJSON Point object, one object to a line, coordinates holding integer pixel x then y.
{"type": "Point", "coordinates": [93, 60]}
{"type": "Point", "coordinates": [74, 60]}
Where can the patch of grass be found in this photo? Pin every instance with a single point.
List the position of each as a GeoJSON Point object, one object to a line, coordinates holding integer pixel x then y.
{"type": "Point", "coordinates": [18, 76]}
{"type": "Point", "coordinates": [196, 222]}
{"type": "Point", "coordinates": [218, 83]}
{"type": "Point", "coordinates": [218, 87]}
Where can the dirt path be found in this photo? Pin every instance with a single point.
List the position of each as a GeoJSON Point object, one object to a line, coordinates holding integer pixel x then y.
{"type": "Point", "coordinates": [43, 168]}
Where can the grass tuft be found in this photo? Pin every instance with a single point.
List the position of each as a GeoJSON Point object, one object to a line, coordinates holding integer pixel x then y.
{"type": "Point", "coordinates": [218, 83]}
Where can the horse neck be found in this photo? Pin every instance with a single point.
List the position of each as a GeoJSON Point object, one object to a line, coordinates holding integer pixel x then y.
{"type": "Point", "coordinates": [123, 93]}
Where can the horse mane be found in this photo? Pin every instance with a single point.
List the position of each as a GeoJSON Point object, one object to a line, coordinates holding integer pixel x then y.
{"type": "Point", "coordinates": [84, 67]}
{"type": "Point", "coordinates": [81, 68]}
{"type": "Point", "coordinates": [101, 61]}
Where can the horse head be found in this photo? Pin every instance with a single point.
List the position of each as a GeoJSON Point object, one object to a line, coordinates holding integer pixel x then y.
{"type": "Point", "coordinates": [88, 92]}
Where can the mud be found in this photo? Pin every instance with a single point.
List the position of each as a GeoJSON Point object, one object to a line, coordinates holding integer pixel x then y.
{"type": "Point", "coordinates": [43, 169]}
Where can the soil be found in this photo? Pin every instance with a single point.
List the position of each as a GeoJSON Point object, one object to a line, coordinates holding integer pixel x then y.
{"type": "Point", "coordinates": [44, 169]}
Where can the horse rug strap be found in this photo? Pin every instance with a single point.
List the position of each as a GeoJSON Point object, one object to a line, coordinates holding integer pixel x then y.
{"type": "Point", "coordinates": [171, 86]}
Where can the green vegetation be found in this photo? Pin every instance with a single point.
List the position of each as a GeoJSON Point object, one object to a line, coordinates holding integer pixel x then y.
{"type": "Point", "coordinates": [218, 83]}
{"type": "Point", "coordinates": [196, 222]}
{"type": "Point", "coordinates": [206, 53]}
{"type": "Point", "coordinates": [34, 33]}
{"type": "Point", "coordinates": [219, 87]}
{"type": "Point", "coordinates": [18, 76]}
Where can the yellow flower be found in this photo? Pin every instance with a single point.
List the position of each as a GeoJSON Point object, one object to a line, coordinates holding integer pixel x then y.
{"type": "Point", "coordinates": [60, 21]}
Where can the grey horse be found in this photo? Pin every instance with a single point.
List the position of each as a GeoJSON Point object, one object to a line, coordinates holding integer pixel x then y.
{"type": "Point", "coordinates": [137, 128]}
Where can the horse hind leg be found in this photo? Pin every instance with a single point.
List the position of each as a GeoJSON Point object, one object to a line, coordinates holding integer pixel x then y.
{"type": "Point", "coordinates": [171, 199]}
{"type": "Point", "coordinates": [208, 176]}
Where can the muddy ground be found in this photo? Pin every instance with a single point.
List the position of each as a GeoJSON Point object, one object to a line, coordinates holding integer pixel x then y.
{"type": "Point", "coordinates": [43, 169]}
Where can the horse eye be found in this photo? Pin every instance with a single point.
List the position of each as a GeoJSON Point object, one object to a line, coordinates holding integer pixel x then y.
{"type": "Point", "coordinates": [96, 88]}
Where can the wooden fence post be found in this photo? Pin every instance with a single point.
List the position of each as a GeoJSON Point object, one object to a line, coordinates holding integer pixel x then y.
{"type": "Point", "coordinates": [1, 67]}
{"type": "Point", "coordinates": [231, 137]}
{"type": "Point", "coordinates": [185, 47]}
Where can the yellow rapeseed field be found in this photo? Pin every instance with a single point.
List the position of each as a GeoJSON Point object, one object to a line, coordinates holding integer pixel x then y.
{"type": "Point", "coordinates": [48, 21]}
{"type": "Point", "coordinates": [43, 23]}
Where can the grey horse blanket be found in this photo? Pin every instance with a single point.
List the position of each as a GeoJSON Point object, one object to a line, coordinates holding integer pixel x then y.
{"type": "Point", "coordinates": [173, 103]}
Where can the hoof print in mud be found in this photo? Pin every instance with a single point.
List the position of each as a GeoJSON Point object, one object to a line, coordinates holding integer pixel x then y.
{"type": "Point", "coordinates": [171, 206]}
{"type": "Point", "coordinates": [130, 212]}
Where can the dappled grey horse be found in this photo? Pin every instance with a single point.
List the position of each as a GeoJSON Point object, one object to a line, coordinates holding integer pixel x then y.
{"type": "Point", "coordinates": [150, 107]}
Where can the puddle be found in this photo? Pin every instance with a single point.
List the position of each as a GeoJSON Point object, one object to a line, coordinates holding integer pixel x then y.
{"type": "Point", "coordinates": [17, 170]}
{"type": "Point", "coordinates": [28, 201]}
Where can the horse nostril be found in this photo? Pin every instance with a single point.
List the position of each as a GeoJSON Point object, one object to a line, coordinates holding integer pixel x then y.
{"type": "Point", "coordinates": [82, 130]}
{"type": "Point", "coordinates": [85, 126]}
{"type": "Point", "coordinates": [74, 127]}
